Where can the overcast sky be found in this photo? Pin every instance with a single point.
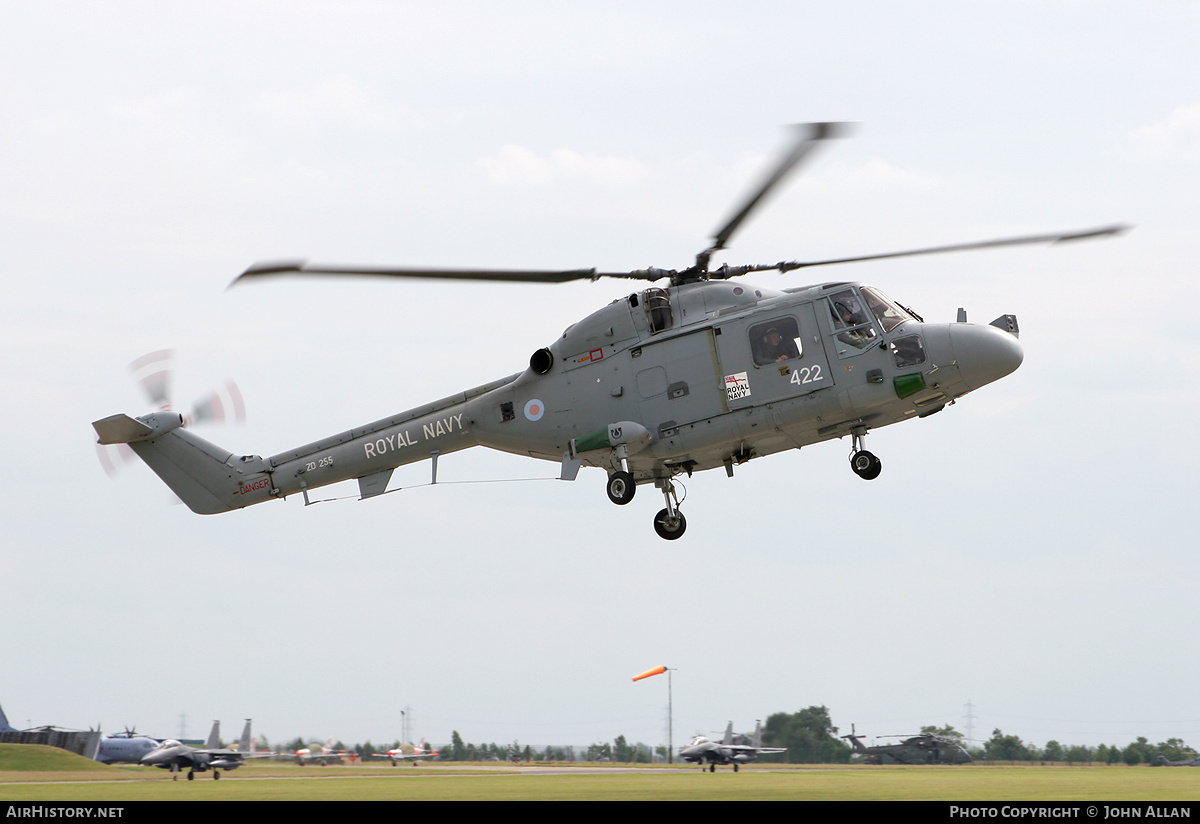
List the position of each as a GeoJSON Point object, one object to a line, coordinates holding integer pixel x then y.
{"type": "Point", "coordinates": [1030, 550]}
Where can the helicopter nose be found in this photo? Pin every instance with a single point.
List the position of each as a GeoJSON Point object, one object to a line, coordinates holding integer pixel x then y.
{"type": "Point", "coordinates": [984, 353]}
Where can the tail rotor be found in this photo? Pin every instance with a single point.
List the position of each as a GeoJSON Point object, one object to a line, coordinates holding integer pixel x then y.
{"type": "Point", "coordinates": [154, 373]}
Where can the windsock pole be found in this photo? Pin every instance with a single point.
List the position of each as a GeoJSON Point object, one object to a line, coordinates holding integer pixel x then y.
{"type": "Point", "coordinates": [659, 670]}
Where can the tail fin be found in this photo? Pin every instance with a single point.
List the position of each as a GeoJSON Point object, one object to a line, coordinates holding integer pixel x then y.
{"type": "Point", "coordinates": [214, 737]}
{"type": "Point", "coordinates": [244, 744]}
{"type": "Point", "coordinates": [4, 725]}
{"type": "Point", "coordinates": [855, 740]}
{"type": "Point", "coordinates": [728, 739]}
{"type": "Point", "coordinates": [757, 742]}
{"type": "Point", "coordinates": [206, 477]}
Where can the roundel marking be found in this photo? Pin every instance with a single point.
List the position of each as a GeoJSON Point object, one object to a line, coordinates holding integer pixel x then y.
{"type": "Point", "coordinates": [535, 409]}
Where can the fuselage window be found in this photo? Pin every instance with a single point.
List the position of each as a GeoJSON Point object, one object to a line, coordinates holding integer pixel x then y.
{"type": "Point", "coordinates": [908, 351]}
{"type": "Point", "coordinates": [852, 324]}
{"type": "Point", "coordinates": [775, 341]}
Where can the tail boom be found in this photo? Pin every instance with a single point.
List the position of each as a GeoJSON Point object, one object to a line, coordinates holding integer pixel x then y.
{"type": "Point", "coordinates": [210, 479]}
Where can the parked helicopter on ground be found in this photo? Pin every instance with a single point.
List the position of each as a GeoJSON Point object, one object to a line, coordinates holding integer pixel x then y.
{"type": "Point", "coordinates": [699, 374]}
{"type": "Point", "coordinates": [926, 748]}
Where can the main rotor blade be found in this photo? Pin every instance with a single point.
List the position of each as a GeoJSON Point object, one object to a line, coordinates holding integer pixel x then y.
{"type": "Point", "coordinates": [1064, 237]}
{"type": "Point", "coordinates": [300, 267]}
{"type": "Point", "coordinates": [810, 135]}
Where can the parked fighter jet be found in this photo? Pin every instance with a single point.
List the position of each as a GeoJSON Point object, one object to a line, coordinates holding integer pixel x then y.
{"type": "Point", "coordinates": [413, 754]}
{"type": "Point", "coordinates": [702, 750]}
{"type": "Point", "coordinates": [326, 756]}
{"type": "Point", "coordinates": [925, 748]}
{"type": "Point", "coordinates": [172, 755]}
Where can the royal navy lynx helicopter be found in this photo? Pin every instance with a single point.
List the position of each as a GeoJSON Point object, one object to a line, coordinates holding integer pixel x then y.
{"type": "Point", "coordinates": [701, 373]}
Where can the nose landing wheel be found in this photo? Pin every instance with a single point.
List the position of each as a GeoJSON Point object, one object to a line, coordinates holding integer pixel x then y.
{"type": "Point", "coordinates": [670, 527]}
{"type": "Point", "coordinates": [669, 523]}
{"type": "Point", "coordinates": [866, 465]}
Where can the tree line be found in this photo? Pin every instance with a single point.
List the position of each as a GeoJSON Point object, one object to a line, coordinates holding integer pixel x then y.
{"type": "Point", "coordinates": [1001, 747]}
{"type": "Point", "coordinates": [810, 738]}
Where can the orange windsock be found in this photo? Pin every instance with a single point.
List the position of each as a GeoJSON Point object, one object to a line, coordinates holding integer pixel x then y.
{"type": "Point", "coordinates": [649, 672]}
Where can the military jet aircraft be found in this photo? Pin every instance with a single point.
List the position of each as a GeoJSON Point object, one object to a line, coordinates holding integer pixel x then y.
{"type": "Point", "coordinates": [174, 756]}
{"type": "Point", "coordinates": [925, 748]}
{"type": "Point", "coordinates": [702, 750]}
{"type": "Point", "coordinates": [413, 754]}
{"type": "Point", "coordinates": [327, 755]}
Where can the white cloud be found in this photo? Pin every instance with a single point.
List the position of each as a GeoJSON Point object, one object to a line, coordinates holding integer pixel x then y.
{"type": "Point", "coordinates": [516, 164]}
{"type": "Point", "coordinates": [340, 101]}
{"type": "Point", "coordinates": [876, 173]}
{"type": "Point", "coordinates": [1177, 137]}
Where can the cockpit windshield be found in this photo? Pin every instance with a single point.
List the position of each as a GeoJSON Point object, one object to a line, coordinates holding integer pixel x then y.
{"type": "Point", "coordinates": [889, 314]}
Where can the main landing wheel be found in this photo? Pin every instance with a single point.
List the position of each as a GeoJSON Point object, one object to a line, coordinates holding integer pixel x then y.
{"type": "Point", "coordinates": [866, 465]}
{"type": "Point", "coordinates": [191, 775]}
{"type": "Point", "coordinates": [216, 775]}
{"type": "Point", "coordinates": [621, 487]}
{"type": "Point", "coordinates": [712, 767]}
{"type": "Point", "coordinates": [669, 528]}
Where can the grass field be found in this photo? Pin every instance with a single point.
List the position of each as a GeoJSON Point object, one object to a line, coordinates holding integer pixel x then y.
{"type": "Point", "coordinates": [62, 777]}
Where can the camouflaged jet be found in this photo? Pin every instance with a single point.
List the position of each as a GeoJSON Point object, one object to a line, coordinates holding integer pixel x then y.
{"type": "Point", "coordinates": [704, 751]}
{"type": "Point", "coordinates": [175, 756]}
{"type": "Point", "coordinates": [701, 373]}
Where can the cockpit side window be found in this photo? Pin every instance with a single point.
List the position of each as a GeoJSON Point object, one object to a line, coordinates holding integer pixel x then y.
{"type": "Point", "coordinates": [850, 320]}
{"type": "Point", "coordinates": [775, 341]}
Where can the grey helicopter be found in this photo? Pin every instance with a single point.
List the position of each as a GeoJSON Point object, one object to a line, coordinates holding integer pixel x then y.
{"type": "Point", "coordinates": [925, 748]}
{"type": "Point", "coordinates": [700, 373]}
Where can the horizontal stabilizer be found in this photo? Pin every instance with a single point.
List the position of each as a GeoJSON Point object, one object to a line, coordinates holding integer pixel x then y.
{"type": "Point", "coordinates": [124, 429]}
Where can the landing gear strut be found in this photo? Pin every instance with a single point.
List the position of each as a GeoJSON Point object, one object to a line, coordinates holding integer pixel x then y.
{"type": "Point", "coordinates": [864, 464]}
{"type": "Point", "coordinates": [669, 523]}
